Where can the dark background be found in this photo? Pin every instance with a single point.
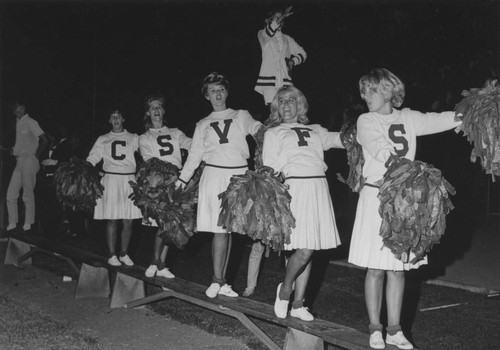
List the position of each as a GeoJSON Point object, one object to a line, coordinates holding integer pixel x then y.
{"type": "Point", "coordinates": [72, 60]}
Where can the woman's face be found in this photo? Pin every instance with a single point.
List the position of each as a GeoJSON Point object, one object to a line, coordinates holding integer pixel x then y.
{"type": "Point", "coordinates": [217, 95]}
{"type": "Point", "coordinates": [287, 107]}
{"type": "Point", "coordinates": [156, 112]}
{"type": "Point", "coordinates": [376, 99]}
{"type": "Point", "coordinates": [116, 120]}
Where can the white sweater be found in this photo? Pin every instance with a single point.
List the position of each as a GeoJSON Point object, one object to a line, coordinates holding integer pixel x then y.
{"type": "Point", "coordinates": [396, 133]}
{"type": "Point", "coordinates": [220, 139]}
{"type": "Point", "coordinates": [276, 47]}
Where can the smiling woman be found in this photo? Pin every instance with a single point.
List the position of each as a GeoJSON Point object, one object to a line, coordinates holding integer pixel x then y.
{"type": "Point", "coordinates": [296, 150]}
{"type": "Point", "coordinates": [116, 149]}
{"type": "Point", "coordinates": [164, 143]}
{"type": "Point", "coordinates": [219, 140]}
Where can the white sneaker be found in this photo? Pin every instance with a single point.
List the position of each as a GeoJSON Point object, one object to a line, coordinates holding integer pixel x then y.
{"type": "Point", "coordinates": [126, 260]}
{"type": "Point", "coordinates": [376, 340]}
{"type": "Point", "coordinates": [113, 261]}
{"type": "Point", "coordinates": [227, 291]}
{"type": "Point", "coordinates": [213, 290]}
{"type": "Point", "coordinates": [11, 227]}
{"type": "Point", "coordinates": [398, 340]}
{"type": "Point", "coordinates": [302, 313]}
{"type": "Point", "coordinates": [280, 306]}
{"type": "Point", "coordinates": [151, 271]}
{"type": "Point", "coordinates": [165, 273]}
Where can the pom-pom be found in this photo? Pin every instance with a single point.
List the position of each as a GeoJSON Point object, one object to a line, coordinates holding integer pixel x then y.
{"type": "Point", "coordinates": [414, 203]}
{"type": "Point", "coordinates": [77, 185]}
{"type": "Point", "coordinates": [173, 210]}
{"type": "Point", "coordinates": [480, 113]}
{"type": "Point", "coordinates": [259, 141]}
{"type": "Point", "coordinates": [355, 157]}
{"type": "Point", "coordinates": [258, 204]}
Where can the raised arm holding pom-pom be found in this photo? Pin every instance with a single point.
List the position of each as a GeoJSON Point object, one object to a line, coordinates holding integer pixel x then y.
{"type": "Point", "coordinates": [280, 54]}
{"type": "Point", "coordinates": [383, 131]}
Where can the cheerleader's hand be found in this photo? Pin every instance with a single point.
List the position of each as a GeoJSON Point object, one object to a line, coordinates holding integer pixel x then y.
{"type": "Point", "coordinates": [289, 64]}
{"type": "Point", "coordinates": [180, 184]}
{"type": "Point", "coordinates": [288, 12]}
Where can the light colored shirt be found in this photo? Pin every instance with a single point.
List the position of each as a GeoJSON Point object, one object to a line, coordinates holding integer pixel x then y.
{"type": "Point", "coordinates": [220, 139]}
{"type": "Point", "coordinates": [117, 152]}
{"type": "Point", "coordinates": [165, 144]}
{"type": "Point", "coordinates": [298, 150]}
{"type": "Point", "coordinates": [27, 133]}
{"type": "Point", "coordinates": [396, 133]}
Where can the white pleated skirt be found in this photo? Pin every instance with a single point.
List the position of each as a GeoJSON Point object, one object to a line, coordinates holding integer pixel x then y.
{"type": "Point", "coordinates": [367, 248]}
{"type": "Point", "coordinates": [212, 182]}
{"type": "Point", "coordinates": [312, 208]}
{"type": "Point", "coordinates": [114, 203]}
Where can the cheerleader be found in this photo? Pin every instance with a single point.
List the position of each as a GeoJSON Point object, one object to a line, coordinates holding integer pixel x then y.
{"type": "Point", "coordinates": [116, 149]}
{"type": "Point", "coordinates": [280, 54]}
{"type": "Point", "coordinates": [163, 143]}
{"type": "Point", "coordinates": [383, 131]}
{"type": "Point", "coordinates": [296, 149]}
{"type": "Point", "coordinates": [220, 141]}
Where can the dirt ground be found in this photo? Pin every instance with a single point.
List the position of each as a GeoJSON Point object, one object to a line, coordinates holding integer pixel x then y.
{"type": "Point", "coordinates": [434, 317]}
{"type": "Point", "coordinates": [116, 329]}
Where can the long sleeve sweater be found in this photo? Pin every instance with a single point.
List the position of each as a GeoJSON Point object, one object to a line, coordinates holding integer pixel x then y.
{"type": "Point", "coordinates": [396, 133]}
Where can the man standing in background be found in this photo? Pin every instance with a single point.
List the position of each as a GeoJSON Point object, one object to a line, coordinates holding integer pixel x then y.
{"type": "Point", "coordinates": [30, 143]}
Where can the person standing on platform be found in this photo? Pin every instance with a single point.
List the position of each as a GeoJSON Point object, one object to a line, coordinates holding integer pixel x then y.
{"type": "Point", "coordinates": [296, 149]}
{"type": "Point", "coordinates": [31, 141]}
{"type": "Point", "coordinates": [382, 132]}
{"type": "Point", "coordinates": [280, 54]}
{"type": "Point", "coordinates": [116, 149]}
{"type": "Point", "coordinates": [164, 143]}
{"type": "Point", "coordinates": [219, 140]}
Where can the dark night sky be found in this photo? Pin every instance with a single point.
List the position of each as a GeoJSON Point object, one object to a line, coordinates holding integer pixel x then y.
{"type": "Point", "coordinates": [56, 55]}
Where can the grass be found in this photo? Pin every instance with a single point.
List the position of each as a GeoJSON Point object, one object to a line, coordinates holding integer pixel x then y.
{"type": "Point", "coordinates": [23, 326]}
{"type": "Point", "coordinates": [335, 293]}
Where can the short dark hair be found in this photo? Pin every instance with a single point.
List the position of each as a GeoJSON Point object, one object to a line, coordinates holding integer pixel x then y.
{"type": "Point", "coordinates": [18, 103]}
{"type": "Point", "coordinates": [214, 78]}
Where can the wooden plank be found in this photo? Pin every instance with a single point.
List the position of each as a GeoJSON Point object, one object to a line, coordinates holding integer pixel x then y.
{"type": "Point", "coordinates": [330, 332]}
{"type": "Point", "coordinates": [35, 250]}
{"type": "Point", "coordinates": [60, 248]}
{"type": "Point", "coordinates": [167, 293]}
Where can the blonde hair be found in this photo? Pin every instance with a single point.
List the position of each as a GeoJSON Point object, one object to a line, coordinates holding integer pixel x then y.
{"type": "Point", "coordinates": [302, 105]}
{"type": "Point", "coordinates": [147, 104]}
{"type": "Point", "coordinates": [387, 82]}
